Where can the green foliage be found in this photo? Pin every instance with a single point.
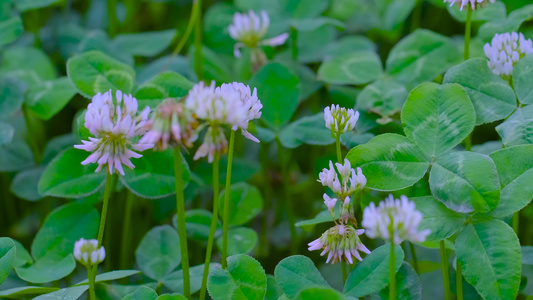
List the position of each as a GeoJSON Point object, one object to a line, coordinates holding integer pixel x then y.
{"type": "Point", "coordinates": [489, 254]}
{"type": "Point", "coordinates": [437, 117]}
{"type": "Point", "coordinates": [465, 182]}
{"type": "Point", "coordinates": [7, 257]}
{"type": "Point", "coordinates": [243, 279]}
{"type": "Point", "coordinates": [492, 97]}
{"type": "Point", "coordinates": [246, 203]}
{"type": "Point", "coordinates": [94, 72]}
{"type": "Point", "coordinates": [152, 178]}
{"type": "Point", "coordinates": [277, 86]}
{"type": "Point", "coordinates": [296, 273]}
{"type": "Point", "coordinates": [159, 252]}
{"type": "Point", "coordinates": [421, 56]}
{"type": "Point", "coordinates": [66, 177]}
{"type": "Point", "coordinates": [372, 274]}
{"type": "Point", "coordinates": [390, 162]}
{"type": "Point", "coordinates": [354, 68]}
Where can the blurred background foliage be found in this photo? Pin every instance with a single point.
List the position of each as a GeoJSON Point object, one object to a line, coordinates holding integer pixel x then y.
{"type": "Point", "coordinates": [37, 37]}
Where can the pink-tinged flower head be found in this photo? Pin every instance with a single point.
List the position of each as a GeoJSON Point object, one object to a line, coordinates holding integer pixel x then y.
{"type": "Point", "coordinates": [233, 104]}
{"type": "Point", "coordinates": [472, 3]}
{"type": "Point", "coordinates": [341, 243]}
{"type": "Point", "coordinates": [249, 30]}
{"type": "Point", "coordinates": [394, 220]}
{"type": "Point", "coordinates": [347, 183]}
{"type": "Point", "coordinates": [170, 123]}
{"type": "Point", "coordinates": [114, 124]}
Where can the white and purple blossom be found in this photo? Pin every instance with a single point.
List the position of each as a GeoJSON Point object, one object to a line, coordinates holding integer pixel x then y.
{"type": "Point", "coordinates": [341, 243]}
{"type": "Point", "coordinates": [114, 124]}
{"type": "Point", "coordinates": [505, 50]}
{"type": "Point", "coordinates": [339, 119]}
{"type": "Point", "coordinates": [473, 3]}
{"type": "Point", "coordinates": [394, 220]}
{"type": "Point", "coordinates": [88, 253]}
{"type": "Point", "coordinates": [249, 30]}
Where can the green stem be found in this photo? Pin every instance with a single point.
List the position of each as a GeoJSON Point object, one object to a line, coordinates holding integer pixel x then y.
{"type": "Point", "coordinates": [516, 222]}
{"type": "Point", "coordinates": [107, 194]}
{"type": "Point", "coordinates": [195, 12]}
{"type": "Point", "coordinates": [180, 208]}
{"type": "Point", "coordinates": [112, 16]}
{"type": "Point", "coordinates": [339, 153]}
{"type": "Point", "coordinates": [31, 135]}
{"type": "Point", "coordinates": [214, 222]}
{"type": "Point", "coordinates": [413, 255]}
{"type": "Point", "coordinates": [125, 244]}
{"type": "Point", "coordinates": [468, 32]}
{"type": "Point", "coordinates": [294, 43]}
{"type": "Point", "coordinates": [91, 282]}
{"type": "Point", "coordinates": [227, 193]}
{"type": "Point", "coordinates": [392, 273]}
{"type": "Point", "coordinates": [459, 279]}
{"type": "Point", "coordinates": [445, 271]}
{"type": "Point", "coordinates": [198, 43]}
{"type": "Point", "coordinates": [344, 273]}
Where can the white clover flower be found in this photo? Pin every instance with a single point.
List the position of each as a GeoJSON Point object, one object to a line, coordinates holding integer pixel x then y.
{"type": "Point", "coordinates": [248, 100]}
{"type": "Point", "coordinates": [341, 242]}
{"type": "Point", "coordinates": [248, 29]}
{"type": "Point", "coordinates": [330, 202]}
{"type": "Point", "coordinates": [170, 122]}
{"type": "Point", "coordinates": [394, 219]}
{"type": "Point", "coordinates": [349, 181]}
{"type": "Point", "coordinates": [231, 104]}
{"type": "Point", "coordinates": [88, 253]}
{"type": "Point", "coordinates": [473, 3]}
{"type": "Point", "coordinates": [505, 51]}
{"type": "Point", "coordinates": [339, 119]}
{"type": "Point", "coordinates": [114, 125]}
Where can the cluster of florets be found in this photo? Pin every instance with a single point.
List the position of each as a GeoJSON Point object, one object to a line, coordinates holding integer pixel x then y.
{"type": "Point", "coordinates": [394, 220]}
{"type": "Point", "coordinates": [249, 30]}
{"type": "Point", "coordinates": [233, 104]}
{"type": "Point", "coordinates": [170, 124]}
{"type": "Point", "coordinates": [114, 124]}
{"type": "Point", "coordinates": [341, 241]}
{"type": "Point", "coordinates": [339, 119]}
{"type": "Point", "coordinates": [88, 253]}
{"type": "Point", "coordinates": [505, 51]}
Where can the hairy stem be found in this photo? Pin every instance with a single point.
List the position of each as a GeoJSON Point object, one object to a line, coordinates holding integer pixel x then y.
{"type": "Point", "coordinates": [198, 43]}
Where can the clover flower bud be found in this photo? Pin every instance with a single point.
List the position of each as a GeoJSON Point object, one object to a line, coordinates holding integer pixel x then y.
{"type": "Point", "coordinates": [170, 123]}
{"type": "Point", "coordinates": [394, 220]}
{"type": "Point", "coordinates": [88, 253]}
{"type": "Point", "coordinates": [339, 119]}
{"type": "Point", "coordinates": [505, 50]}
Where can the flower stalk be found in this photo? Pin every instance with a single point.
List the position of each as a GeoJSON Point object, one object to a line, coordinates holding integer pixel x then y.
{"type": "Point", "coordinates": [445, 271]}
{"type": "Point", "coordinates": [392, 273]}
{"type": "Point", "coordinates": [227, 193]}
{"type": "Point", "coordinates": [182, 231]}
{"type": "Point", "coordinates": [214, 222]}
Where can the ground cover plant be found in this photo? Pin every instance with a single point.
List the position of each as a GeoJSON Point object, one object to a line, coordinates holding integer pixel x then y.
{"type": "Point", "coordinates": [283, 149]}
